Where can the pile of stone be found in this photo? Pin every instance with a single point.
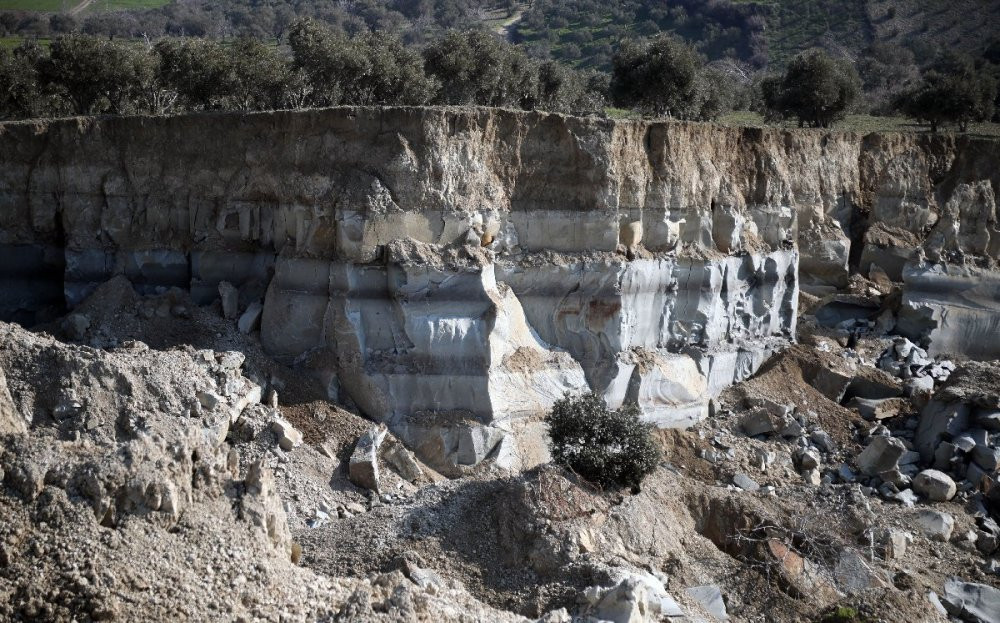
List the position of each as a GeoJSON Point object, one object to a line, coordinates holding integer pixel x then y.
{"type": "Point", "coordinates": [960, 428]}
{"type": "Point", "coordinates": [906, 360]}
{"type": "Point", "coordinates": [815, 446]}
{"type": "Point", "coordinates": [952, 448]}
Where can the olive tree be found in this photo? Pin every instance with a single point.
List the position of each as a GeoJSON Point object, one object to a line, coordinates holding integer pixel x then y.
{"type": "Point", "coordinates": [951, 90]}
{"type": "Point", "coordinates": [658, 76]}
{"type": "Point", "coordinates": [95, 74]}
{"type": "Point", "coordinates": [19, 89]}
{"type": "Point", "coordinates": [369, 69]}
{"type": "Point", "coordinates": [816, 88]}
{"type": "Point", "coordinates": [479, 68]}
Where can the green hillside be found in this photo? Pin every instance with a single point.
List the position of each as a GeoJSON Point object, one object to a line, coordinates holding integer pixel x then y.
{"type": "Point", "coordinates": [582, 33]}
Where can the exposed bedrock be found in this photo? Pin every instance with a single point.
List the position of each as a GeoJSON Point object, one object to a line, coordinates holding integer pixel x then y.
{"type": "Point", "coordinates": [454, 271]}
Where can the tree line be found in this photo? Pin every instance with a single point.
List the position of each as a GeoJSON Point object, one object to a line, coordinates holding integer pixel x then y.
{"type": "Point", "coordinates": [321, 66]}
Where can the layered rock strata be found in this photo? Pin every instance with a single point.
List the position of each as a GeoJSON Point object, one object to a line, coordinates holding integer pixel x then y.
{"type": "Point", "coordinates": [454, 271]}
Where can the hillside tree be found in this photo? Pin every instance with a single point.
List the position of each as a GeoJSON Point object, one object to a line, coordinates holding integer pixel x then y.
{"type": "Point", "coordinates": [951, 90]}
{"type": "Point", "coordinates": [816, 88]}
{"type": "Point", "coordinates": [95, 74]}
{"type": "Point", "coordinates": [657, 76]}
{"type": "Point", "coordinates": [479, 68]}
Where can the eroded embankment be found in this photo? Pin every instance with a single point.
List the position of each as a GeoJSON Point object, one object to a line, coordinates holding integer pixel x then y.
{"type": "Point", "coordinates": [453, 270]}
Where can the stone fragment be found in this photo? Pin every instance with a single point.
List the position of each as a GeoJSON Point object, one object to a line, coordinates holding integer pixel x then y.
{"type": "Point", "coordinates": [917, 385]}
{"type": "Point", "coordinates": [363, 469]}
{"type": "Point", "coordinates": [909, 458]}
{"type": "Point", "coordinates": [745, 482]}
{"type": "Point", "coordinates": [935, 525]}
{"type": "Point", "coordinates": [250, 320]}
{"type": "Point", "coordinates": [710, 598]}
{"type": "Point", "coordinates": [881, 455]}
{"type": "Point", "coordinates": [965, 442]}
{"type": "Point", "coordinates": [209, 400]}
{"type": "Point", "coordinates": [934, 485]}
{"type": "Point", "coordinates": [975, 474]}
{"type": "Point", "coordinates": [812, 477]}
{"type": "Point", "coordinates": [906, 497]}
{"type": "Point", "coordinates": [761, 422]}
{"type": "Point", "coordinates": [846, 474]}
{"type": "Point", "coordinates": [10, 421]}
{"type": "Point", "coordinates": [988, 419]}
{"type": "Point", "coordinates": [896, 478]}
{"type": "Point", "coordinates": [403, 462]}
{"type": "Point", "coordinates": [986, 457]}
{"type": "Point", "coordinates": [975, 603]}
{"type": "Point", "coordinates": [939, 420]}
{"type": "Point", "coordinates": [876, 409]}
{"type": "Point", "coordinates": [823, 440]}
{"type": "Point", "coordinates": [894, 543]}
{"type": "Point", "coordinates": [230, 297]}
{"type": "Point", "coordinates": [854, 574]}
{"type": "Point", "coordinates": [637, 598]}
{"type": "Point", "coordinates": [230, 359]}
{"type": "Point", "coordinates": [288, 436]}
{"type": "Point", "coordinates": [808, 459]}
{"type": "Point", "coordinates": [943, 455]}
{"type": "Point", "coordinates": [987, 542]}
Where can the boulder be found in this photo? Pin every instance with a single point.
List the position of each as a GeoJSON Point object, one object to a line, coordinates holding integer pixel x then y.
{"type": "Point", "coordinates": [745, 482]}
{"type": "Point", "coordinates": [975, 603]}
{"type": "Point", "coordinates": [402, 461]}
{"type": "Point", "coordinates": [934, 485]}
{"type": "Point", "coordinates": [763, 421]}
{"type": "Point", "coordinates": [939, 420]}
{"type": "Point", "coordinates": [636, 599]}
{"type": "Point", "coordinates": [881, 455]}
{"type": "Point", "coordinates": [935, 525]}
{"type": "Point", "coordinates": [986, 457]}
{"type": "Point", "coordinates": [363, 468]}
{"type": "Point", "coordinates": [823, 440]}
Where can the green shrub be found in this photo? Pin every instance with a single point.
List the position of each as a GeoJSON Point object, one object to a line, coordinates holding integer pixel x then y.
{"type": "Point", "coordinates": [609, 448]}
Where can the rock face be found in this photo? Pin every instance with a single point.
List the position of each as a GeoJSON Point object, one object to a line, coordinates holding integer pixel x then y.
{"type": "Point", "coordinates": [453, 272]}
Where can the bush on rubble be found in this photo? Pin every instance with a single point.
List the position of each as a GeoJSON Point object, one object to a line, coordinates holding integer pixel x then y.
{"type": "Point", "coordinates": [607, 447]}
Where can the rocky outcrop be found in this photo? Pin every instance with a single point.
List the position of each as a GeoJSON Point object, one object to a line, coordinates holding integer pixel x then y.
{"type": "Point", "coordinates": [454, 271]}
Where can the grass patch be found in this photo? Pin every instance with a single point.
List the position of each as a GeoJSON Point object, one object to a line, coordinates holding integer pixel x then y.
{"type": "Point", "coordinates": [13, 42]}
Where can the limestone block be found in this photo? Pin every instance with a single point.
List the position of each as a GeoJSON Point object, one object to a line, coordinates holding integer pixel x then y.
{"type": "Point", "coordinates": [363, 468]}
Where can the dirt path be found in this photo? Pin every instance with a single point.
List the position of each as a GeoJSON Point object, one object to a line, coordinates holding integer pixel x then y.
{"type": "Point", "coordinates": [80, 7]}
{"type": "Point", "coordinates": [505, 28]}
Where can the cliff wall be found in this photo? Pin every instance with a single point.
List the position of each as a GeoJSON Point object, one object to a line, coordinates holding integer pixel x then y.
{"type": "Point", "coordinates": [453, 271]}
